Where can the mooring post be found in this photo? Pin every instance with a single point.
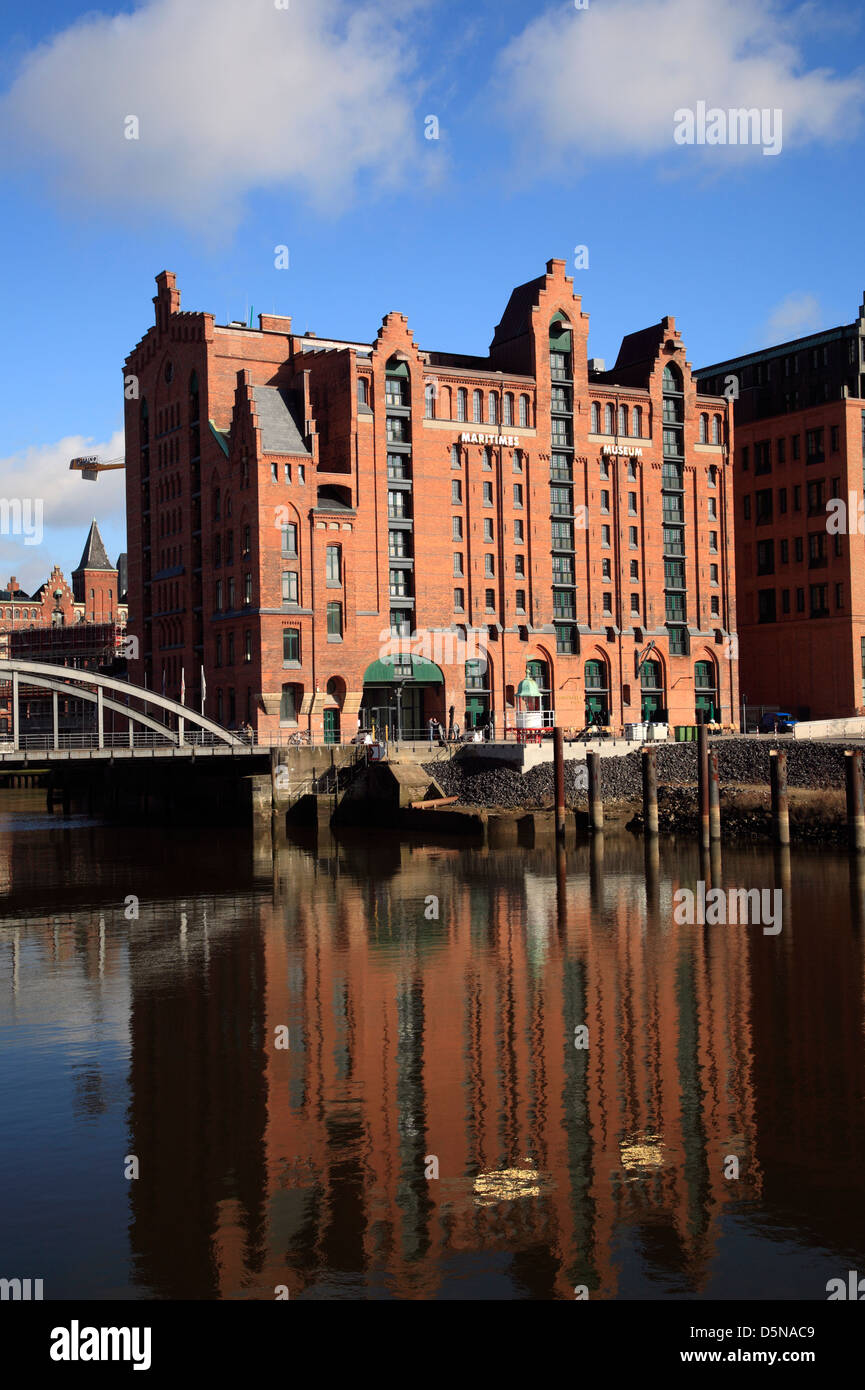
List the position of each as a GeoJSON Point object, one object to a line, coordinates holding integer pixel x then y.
{"type": "Point", "coordinates": [780, 799]}
{"type": "Point", "coordinates": [714, 798]}
{"type": "Point", "coordinates": [855, 800]}
{"type": "Point", "coordinates": [703, 782]}
{"type": "Point", "coordinates": [650, 791]}
{"type": "Point", "coordinates": [559, 779]}
{"type": "Point", "coordinates": [596, 805]}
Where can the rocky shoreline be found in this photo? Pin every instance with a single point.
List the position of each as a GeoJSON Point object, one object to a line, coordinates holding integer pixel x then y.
{"type": "Point", "coordinates": [815, 774]}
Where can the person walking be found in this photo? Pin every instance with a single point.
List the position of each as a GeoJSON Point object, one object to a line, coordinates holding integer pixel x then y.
{"type": "Point", "coordinates": [432, 729]}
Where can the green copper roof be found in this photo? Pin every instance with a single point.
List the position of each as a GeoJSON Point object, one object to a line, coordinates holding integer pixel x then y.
{"type": "Point", "coordinates": [528, 689]}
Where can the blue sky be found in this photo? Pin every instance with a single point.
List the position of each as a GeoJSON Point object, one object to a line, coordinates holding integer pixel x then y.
{"type": "Point", "coordinates": [303, 124]}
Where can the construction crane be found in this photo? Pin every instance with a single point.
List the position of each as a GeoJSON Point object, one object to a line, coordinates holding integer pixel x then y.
{"type": "Point", "coordinates": [91, 465]}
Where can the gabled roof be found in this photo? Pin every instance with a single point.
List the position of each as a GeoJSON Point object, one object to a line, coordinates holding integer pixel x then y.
{"type": "Point", "coordinates": [95, 556]}
{"type": "Point", "coordinates": [518, 312]}
{"type": "Point", "coordinates": [641, 348]}
{"type": "Point", "coordinates": [279, 421]}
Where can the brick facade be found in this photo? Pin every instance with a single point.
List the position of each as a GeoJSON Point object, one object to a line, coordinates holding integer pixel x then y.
{"type": "Point", "coordinates": [295, 506]}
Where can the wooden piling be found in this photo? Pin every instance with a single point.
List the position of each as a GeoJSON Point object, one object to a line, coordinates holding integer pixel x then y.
{"type": "Point", "coordinates": [780, 798]}
{"type": "Point", "coordinates": [596, 805]}
{"type": "Point", "coordinates": [855, 800]}
{"type": "Point", "coordinates": [714, 798]}
{"type": "Point", "coordinates": [703, 782]}
{"type": "Point", "coordinates": [559, 780]}
{"type": "Point", "coordinates": [650, 791]}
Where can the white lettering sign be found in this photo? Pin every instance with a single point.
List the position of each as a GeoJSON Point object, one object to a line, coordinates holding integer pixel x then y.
{"type": "Point", "coordinates": [621, 450]}
{"type": "Point", "coordinates": [506, 440]}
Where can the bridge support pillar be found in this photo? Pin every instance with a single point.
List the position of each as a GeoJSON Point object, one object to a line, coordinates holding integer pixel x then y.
{"type": "Point", "coordinates": [100, 715]}
{"type": "Point", "coordinates": [16, 726]}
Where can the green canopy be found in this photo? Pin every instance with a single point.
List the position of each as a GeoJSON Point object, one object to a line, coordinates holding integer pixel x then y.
{"type": "Point", "coordinates": [382, 672]}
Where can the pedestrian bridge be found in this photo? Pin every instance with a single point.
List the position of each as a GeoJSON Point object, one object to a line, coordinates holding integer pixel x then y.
{"type": "Point", "coordinates": [149, 724]}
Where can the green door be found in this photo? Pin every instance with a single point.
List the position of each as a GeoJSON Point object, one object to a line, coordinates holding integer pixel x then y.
{"type": "Point", "coordinates": [331, 726]}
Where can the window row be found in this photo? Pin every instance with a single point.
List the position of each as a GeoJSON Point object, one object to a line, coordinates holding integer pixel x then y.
{"type": "Point", "coordinates": [611, 418]}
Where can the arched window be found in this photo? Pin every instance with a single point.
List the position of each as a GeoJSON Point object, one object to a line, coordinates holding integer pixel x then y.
{"type": "Point", "coordinates": [477, 407]}
{"type": "Point", "coordinates": [492, 408]}
{"type": "Point", "coordinates": [596, 418]}
{"type": "Point", "coordinates": [672, 383]}
{"type": "Point", "coordinates": [608, 419]}
{"type": "Point", "coordinates": [445, 403]}
{"type": "Point", "coordinates": [716, 429]}
{"type": "Point", "coordinates": [704, 429]}
{"type": "Point", "coordinates": [462, 403]}
{"type": "Point", "coordinates": [637, 422]}
{"type": "Point", "coordinates": [524, 412]}
{"type": "Point", "coordinates": [430, 401]}
{"type": "Point", "coordinates": [623, 419]}
{"type": "Point", "coordinates": [508, 415]}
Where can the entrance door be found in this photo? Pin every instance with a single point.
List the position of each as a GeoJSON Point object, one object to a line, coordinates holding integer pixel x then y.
{"type": "Point", "coordinates": [331, 726]}
{"type": "Point", "coordinates": [477, 712]}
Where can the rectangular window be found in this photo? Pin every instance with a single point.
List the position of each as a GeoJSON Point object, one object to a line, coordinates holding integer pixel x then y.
{"type": "Point", "coordinates": [456, 491]}
{"type": "Point", "coordinates": [566, 638]}
{"type": "Point", "coordinates": [635, 603]}
{"type": "Point", "coordinates": [333, 565]}
{"type": "Point", "coordinates": [782, 500]}
{"type": "Point", "coordinates": [605, 537]}
{"type": "Point", "coordinates": [217, 603]}
{"type": "Point", "coordinates": [819, 594]}
{"type": "Point", "coordinates": [794, 446]}
{"type": "Point", "coordinates": [490, 600]}
{"type": "Point", "coordinates": [746, 508]}
{"type": "Point", "coordinates": [488, 494]}
{"type": "Point", "coordinates": [459, 599]}
{"type": "Point", "coordinates": [797, 498]}
{"type": "Point", "coordinates": [334, 620]}
{"type": "Point", "coordinates": [839, 595]}
{"type": "Point", "coordinates": [785, 600]}
{"type": "Point", "coordinates": [606, 569]}
{"type": "Point", "coordinates": [290, 646]}
{"type": "Point", "coordinates": [521, 600]}
{"type": "Point", "coordinates": [457, 528]}
{"type": "Point", "coordinates": [799, 548]}
{"type": "Point", "coordinates": [785, 552]}
{"type": "Point", "coordinates": [518, 494]}
{"type": "Point", "coordinates": [289, 586]}
{"type": "Point", "coordinates": [247, 589]}
{"type": "Point", "coordinates": [766, 605]}
{"type": "Point", "coordinates": [563, 535]}
{"type": "Point", "coordinates": [632, 503]}
{"type": "Point", "coordinates": [519, 534]}
{"type": "Point", "coordinates": [608, 603]}
{"type": "Point", "coordinates": [274, 472]}
{"type": "Point", "coordinates": [635, 569]}
{"type": "Point", "coordinates": [458, 562]}
{"type": "Point", "coordinates": [605, 500]}
{"type": "Point", "coordinates": [489, 565]}
{"type": "Point", "coordinates": [286, 472]}
{"type": "Point", "coordinates": [781, 450]}
{"type": "Point", "coordinates": [488, 530]}
{"type": "Point", "coordinates": [519, 564]}
{"type": "Point", "coordinates": [713, 574]}
{"type": "Point", "coordinates": [800, 600]}
{"type": "Point", "coordinates": [289, 539]}
{"type": "Point", "coordinates": [398, 545]}
{"type": "Point", "coordinates": [713, 509]}
{"type": "Point", "coordinates": [834, 439]}
{"type": "Point", "coordinates": [632, 538]}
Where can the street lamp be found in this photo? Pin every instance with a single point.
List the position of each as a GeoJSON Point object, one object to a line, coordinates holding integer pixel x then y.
{"type": "Point", "coordinates": [399, 686]}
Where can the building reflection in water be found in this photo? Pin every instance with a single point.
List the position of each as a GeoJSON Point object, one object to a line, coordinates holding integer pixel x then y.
{"type": "Point", "coordinates": [434, 1127]}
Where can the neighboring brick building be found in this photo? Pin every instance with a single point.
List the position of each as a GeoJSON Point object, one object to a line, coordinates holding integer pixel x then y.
{"type": "Point", "coordinates": [800, 575]}
{"type": "Point", "coordinates": [77, 625]}
{"type": "Point", "coordinates": [293, 502]}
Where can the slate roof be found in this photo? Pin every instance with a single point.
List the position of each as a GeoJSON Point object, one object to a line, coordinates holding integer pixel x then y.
{"type": "Point", "coordinates": [279, 421]}
{"type": "Point", "coordinates": [95, 556]}
{"type": "Point", "coordinates": [517, 316]}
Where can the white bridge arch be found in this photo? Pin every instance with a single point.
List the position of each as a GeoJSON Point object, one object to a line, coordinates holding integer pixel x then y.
{"type": "Point", "coordinates": [93, 688]}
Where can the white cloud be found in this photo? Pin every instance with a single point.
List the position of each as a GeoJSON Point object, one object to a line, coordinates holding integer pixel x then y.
{"type": "Point", "coordinates": [41, 474]}
{"type": "Point", "coordinates": [607, 80]}
{"type": "Point", "coordinates": [799, 313]}
{"type": "Point", "coordinates": [230, 96]}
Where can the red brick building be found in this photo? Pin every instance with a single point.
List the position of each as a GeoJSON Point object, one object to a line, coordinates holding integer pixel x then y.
{"type": "Point", "coordinates": [336, 530]}
{"type": "Point", "coordinates": [800, 555]}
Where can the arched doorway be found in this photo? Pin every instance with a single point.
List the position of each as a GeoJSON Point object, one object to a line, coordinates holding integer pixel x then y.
{"type": "Point", "coordinates": [331, 713]}
{"type": "Point", "coordinates": [597, 692]}
{"type": "Point", "coordinates": [652, 704]}
{"type": "Point", "coordinates": [706, 691]}
{"type": "Point", "coordinates": [400, 695]}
